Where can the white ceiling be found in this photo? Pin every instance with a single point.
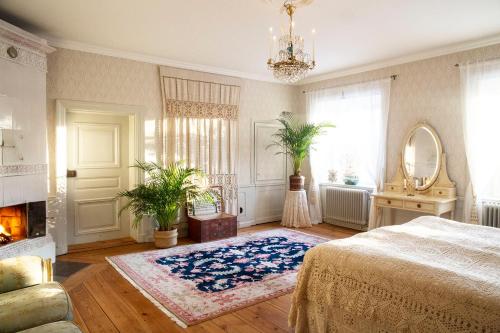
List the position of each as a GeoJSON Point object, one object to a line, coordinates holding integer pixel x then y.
{"type": "Point", "coordinates": [232, 35]}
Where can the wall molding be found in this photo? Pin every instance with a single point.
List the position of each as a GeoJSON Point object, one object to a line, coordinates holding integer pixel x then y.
{"type": "Point", "coordinates": [157, 60]}
{"type": "Point", "coordinates": [22, 170]}
{"type": "Point", "coordinates": [431, 53]}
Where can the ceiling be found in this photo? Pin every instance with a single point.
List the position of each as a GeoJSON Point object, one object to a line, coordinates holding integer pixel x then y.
{"type": "Point", "coordinates": [231, 36]}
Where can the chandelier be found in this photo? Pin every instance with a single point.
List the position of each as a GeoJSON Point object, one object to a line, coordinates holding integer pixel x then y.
{"type": "Point", "coordinates": [288, 61]}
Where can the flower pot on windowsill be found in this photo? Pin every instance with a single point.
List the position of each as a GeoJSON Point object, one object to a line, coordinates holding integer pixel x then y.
{"type": "Point", "coordinates": [165, 239]}
{"type": "Point", "coordinates": [297, 182]}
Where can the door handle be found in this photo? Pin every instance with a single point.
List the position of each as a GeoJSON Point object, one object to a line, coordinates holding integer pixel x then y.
{"type": "Point", "coordinates": [71, 173]}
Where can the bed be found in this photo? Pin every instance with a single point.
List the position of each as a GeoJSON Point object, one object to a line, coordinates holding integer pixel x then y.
{"type": "Point", "coordinates": [428, 275]}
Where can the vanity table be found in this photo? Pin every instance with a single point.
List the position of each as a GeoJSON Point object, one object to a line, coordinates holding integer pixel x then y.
{"type": "Point", "coordinates": [421, 183]}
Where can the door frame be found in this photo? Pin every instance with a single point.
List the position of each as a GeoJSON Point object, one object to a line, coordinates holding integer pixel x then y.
{"type": "Point", "coordinates": [136, 152]}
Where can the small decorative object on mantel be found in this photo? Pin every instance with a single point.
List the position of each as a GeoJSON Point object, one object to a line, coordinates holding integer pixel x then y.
{"type": "Point", "coordinates": [332, 176]}
{"type": "Point", "coordinates": [164, 192]}
{"type": "Point", "coordinates": [12, 52]}
{"type": "Point", "coordinates": [296, 138]}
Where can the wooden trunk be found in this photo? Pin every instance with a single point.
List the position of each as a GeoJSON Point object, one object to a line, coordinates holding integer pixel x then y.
{"type": "Point", "coordinates": [206, 228]}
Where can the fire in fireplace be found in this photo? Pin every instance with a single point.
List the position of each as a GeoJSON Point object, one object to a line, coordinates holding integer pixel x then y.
{"type": "Point", "coordinates": [5, 237]}
{"type": "Point", "coordinates": [22, 221]}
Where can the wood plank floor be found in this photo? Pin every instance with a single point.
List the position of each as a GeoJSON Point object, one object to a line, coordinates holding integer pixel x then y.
{"type": "Point", "coordinates": [105, 302]}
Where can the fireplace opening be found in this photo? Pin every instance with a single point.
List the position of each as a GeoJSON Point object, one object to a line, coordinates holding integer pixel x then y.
{"type": "Point", "coordinates": [22, 221]}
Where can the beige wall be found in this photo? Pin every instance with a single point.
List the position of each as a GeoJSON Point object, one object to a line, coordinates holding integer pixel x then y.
{"type": "Point", "coordinates": [82, 76]}
{"type": "Point", "coordinates": [427, 90]}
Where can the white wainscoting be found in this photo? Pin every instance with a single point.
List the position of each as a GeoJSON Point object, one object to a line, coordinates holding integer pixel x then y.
{"type": "Point", "coordinates": [262, 201]}
{"type": "Point", "coordinates": [260, 204]}
{"type": "Point", "coordinates": [246, 206]}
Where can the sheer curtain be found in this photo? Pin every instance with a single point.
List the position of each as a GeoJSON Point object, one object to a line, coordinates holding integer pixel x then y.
{"type": "Point", "coordinates": [480, 83]}
{"type": "Point", "coordinates": [200, 127]}
{"type": "Point", "coordinates": [358, 143]}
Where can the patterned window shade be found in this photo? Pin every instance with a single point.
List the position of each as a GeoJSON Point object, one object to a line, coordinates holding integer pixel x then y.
{"type": "Point", "coordinates": [200, 127]}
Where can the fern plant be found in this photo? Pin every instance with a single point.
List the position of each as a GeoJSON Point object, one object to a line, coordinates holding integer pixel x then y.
{"type": "Point", "coordinates": [164, 192]}
{"type": "Point", "coordinates": [295, 138]}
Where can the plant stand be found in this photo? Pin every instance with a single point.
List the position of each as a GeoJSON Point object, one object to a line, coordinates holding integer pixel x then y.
{"type": "Point", "coordinates": [296, 210]}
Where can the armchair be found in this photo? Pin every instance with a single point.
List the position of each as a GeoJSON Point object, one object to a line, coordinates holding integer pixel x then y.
{"type": "Point", "coordinates": [30, 301]}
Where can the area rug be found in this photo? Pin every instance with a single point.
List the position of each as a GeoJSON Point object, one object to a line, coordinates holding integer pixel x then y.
{"type": "Point", "coordinates": [194, 283]}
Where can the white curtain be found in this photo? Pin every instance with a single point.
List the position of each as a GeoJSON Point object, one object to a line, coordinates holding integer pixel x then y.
{"type": "Point", "coordinates": [480, 82]}
{"type": "Point", "coordinates": [358, 143]}
{"type": "Point", "coordinates": [200, 127]}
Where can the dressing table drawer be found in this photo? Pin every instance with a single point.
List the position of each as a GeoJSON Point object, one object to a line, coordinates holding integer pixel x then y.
{"type": "Point", "coordinates": [393, 188]}
{"type": "Point", "coordinates": [389, 202]}
{"type": "Point", "coordinates": [422, 206]}
{"type": "Point", "coordinates": [444, 192]}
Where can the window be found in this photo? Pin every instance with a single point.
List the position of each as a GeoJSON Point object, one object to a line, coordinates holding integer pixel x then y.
{"type": "Point", "coordinates": [481, 116]}
{"type": "Point", "coordinates": [358, 143]}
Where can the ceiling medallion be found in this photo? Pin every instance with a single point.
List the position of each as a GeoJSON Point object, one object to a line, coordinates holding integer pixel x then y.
{"type": "Point", "coordinates": [287, 58]}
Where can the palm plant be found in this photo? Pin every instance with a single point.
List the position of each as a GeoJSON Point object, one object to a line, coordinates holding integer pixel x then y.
{"type": "Point", "coordinates": [296, 138]}
{"type": "Point", "coordinates": [164, 192]}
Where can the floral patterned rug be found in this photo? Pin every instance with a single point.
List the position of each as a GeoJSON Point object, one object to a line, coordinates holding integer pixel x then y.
{"type": "Point", "coordinates": [194, 283]}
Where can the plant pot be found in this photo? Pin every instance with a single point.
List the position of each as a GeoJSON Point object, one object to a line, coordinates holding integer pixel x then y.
{"type": "Point", "coordinates": [165, 239]}
{"type": "Point", "coordinates": [351, 180]}
{"type": "Point", "coordinates": [297, 182]}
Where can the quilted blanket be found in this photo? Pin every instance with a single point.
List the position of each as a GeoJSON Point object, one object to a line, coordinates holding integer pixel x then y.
{"type": "Point", "coordinates": [428, 275]}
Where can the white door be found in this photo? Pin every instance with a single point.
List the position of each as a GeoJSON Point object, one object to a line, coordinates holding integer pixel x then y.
{"type": "Point", "coordinates": [97, 170]}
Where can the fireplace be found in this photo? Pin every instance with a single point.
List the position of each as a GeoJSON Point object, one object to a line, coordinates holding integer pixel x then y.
{"type": "Point", "coordinates": [22, 221]}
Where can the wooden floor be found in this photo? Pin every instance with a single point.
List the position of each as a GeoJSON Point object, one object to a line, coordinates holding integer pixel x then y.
{"type": "Point", "coordinates": [105, 302]}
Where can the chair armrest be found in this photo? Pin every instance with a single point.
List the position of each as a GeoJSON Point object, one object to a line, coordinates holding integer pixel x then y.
{"type": "Point", "coordinates": [22, 272]}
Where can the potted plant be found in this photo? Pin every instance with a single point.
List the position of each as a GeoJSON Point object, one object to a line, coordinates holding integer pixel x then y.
{"type": "Point", "coordinates": [162, 195]}
{"type": "Point", "coordinates": [296, 138]}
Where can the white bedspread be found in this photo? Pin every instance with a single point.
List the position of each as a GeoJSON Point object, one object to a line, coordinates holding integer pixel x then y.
{"type": "Point", "coordinates": [428, 275]}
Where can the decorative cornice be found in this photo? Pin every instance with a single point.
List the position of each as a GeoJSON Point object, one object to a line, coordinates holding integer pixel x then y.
{"type": "Point", "coordinates": [157, 60]}
{"type": "Point", "coordinates": [25, 56]}
{"type": "Point", "coordinates": [31, 50]}
{"type": "Point", "coordinates": [23, 38]}
{"type": "Point", "coordinates": [453, 48]}
{"type": "Point", "coordinates": [22, 170]}
{"type": "Point", "coordinates": [436, 52]}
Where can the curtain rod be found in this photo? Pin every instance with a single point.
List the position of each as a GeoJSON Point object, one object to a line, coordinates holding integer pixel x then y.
{"type": "Point", "coordinates": [221, 84]}
{"type": "Point", "coordinates": [458, 64]}
{"type": "Point", "coordinates": [393, 77]}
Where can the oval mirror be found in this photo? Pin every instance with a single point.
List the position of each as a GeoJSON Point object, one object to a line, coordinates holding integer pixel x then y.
{"type": "Point", "coordinates": [422, 152]}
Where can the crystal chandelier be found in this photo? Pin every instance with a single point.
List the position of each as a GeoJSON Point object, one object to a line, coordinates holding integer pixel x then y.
{"type": "Point", "coordinates": [288, 61]}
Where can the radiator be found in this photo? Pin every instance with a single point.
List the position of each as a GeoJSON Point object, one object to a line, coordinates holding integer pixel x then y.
{"type": "Point", "coordinates": [346, 207]}
{"type": "Point", "coordinates": [491, 214]}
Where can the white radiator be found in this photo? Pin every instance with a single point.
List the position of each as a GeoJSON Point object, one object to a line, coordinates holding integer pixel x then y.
{"type": "Point", "coordinates": [347, 207]}
{"type": "Point", "coordinates": [491, 214]}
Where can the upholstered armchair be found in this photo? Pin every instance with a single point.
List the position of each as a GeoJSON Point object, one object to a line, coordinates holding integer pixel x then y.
{"type": "Point", "coordinates": [30, 301]}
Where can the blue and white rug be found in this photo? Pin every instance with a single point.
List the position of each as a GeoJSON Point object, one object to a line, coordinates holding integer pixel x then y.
{"type": "Point", "coordinates": [193, 283]}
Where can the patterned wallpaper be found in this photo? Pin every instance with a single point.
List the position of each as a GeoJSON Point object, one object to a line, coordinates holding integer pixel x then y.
{"type": "Point", "coordinates": [90, 77]}
{"type": "Point", "coordinates": [426, 90]}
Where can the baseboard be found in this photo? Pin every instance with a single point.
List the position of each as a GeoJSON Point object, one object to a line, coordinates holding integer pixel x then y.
{"type": "Point", "coordinates": [267, 219]}
{"type": "Point", "coordinates": [344, 224]}
{"type": "Point", "coordinates": [245, 224]}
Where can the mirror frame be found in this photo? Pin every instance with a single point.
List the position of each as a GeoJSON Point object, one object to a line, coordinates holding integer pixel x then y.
{"type": "Point", "coordinates": [439, 155]}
